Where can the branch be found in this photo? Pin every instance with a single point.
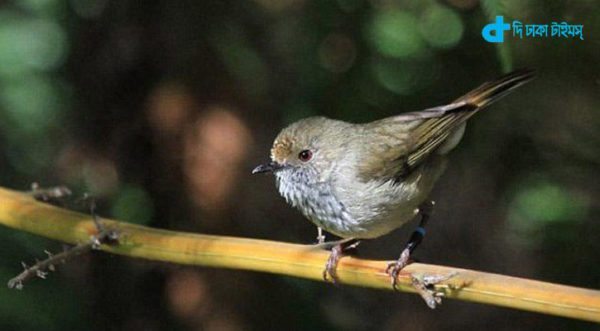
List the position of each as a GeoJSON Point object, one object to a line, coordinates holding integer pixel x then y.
{"type": "Point", "coordinates": [22, 212]}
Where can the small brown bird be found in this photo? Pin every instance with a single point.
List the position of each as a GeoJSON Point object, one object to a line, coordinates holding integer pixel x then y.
{"type": "Point", "coordinates": [361, 181]}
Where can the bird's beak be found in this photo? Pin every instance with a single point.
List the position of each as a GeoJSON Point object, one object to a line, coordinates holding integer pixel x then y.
{"type": "Point", "coordinates": [267, 167]}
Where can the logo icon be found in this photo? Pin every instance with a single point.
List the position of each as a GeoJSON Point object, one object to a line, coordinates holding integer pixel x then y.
{"type": "Point", "coordinates": [494, 32]}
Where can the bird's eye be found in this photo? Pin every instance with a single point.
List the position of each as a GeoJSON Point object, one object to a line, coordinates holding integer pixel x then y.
{"type": "Point", "coordinates": [305, 155]}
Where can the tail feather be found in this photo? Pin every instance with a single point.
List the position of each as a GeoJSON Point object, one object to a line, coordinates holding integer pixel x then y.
{"type": "Point", "coordinates": [433, 132]}
{"type": "Point", "coordinates": [490, 92]}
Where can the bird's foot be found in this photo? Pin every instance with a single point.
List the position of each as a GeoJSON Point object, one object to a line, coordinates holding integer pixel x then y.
{"type": "Point", "coordinates": [337, 252]}
{"type": "Point", "coordinates": [425, 286]}
{"type": "Point", "coordinates": [393, 269]}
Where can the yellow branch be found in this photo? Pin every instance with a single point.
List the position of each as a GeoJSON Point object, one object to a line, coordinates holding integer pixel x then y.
{"type": "Point", "coordinates": [21, 212]}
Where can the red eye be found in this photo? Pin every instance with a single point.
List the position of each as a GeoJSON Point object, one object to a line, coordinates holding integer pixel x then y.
{"type": "Point", "coordinates": [305, 155]}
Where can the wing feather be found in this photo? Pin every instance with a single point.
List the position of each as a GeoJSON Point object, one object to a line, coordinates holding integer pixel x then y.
{"type": "Point", "coordinates": [401, 143]}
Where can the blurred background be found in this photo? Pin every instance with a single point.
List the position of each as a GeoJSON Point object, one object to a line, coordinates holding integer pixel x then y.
{"type": "Point", "coordinates": [160, 109]}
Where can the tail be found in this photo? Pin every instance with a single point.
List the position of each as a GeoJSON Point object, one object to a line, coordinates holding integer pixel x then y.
{"type": "Point", "coordinates": [444, 125]}
{"type": "Point", "coordinates": [490, 92]}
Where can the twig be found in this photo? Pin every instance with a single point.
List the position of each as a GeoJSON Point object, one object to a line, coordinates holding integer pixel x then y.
{"type": "Point", "coordinates": [23, 213]}
{"type": "Point", "coordinates": [41, 268]}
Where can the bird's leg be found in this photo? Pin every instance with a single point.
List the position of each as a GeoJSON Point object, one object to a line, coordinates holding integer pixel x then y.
{"type": "Point", "coordinates": [423, 284]}
{"type": "Point", "coordinates": [394, 268]}
{"type": "Point", "coordinates": [320, 236]}
{"type": "Point", "coordinates": [337, 251]}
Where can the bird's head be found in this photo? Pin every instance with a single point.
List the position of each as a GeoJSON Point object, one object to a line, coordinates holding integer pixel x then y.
{"type": "Point", "coordinates": [304, 151]}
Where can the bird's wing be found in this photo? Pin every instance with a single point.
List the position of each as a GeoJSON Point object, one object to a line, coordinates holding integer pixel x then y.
{"type": "Point", "coordinates": [400, 143]}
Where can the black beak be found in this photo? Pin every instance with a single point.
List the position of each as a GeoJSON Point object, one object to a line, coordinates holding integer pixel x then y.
{"type": "Point", "coordinates": [267, 167]}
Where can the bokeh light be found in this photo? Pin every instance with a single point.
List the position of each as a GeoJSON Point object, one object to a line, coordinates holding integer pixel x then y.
{"type": "Point", "coordinates": [29, 44]}
{"type": "Point", "coordinates": [441, 26]}
{"type": "Point", "coordinates": [539, 203]}
{"type": "Point", "coordinates": [214, 147]}
{"type": "Point", "coordinates": [32, 104]}
{"type": "Point", "coordinates": [548, 202]}
{"type": "Point", "coordinates": [133, 204]}
{"type": "Point", "coordinates": [160, 110]}
{"type": "Point", "coordinates": [404, 77]}
{"type": "Point", "coordinates": [337, 53]}
{"type": "Point", "coordinates": [241, 60]}
{"type": "Point", "coordinates": [80, 167]}
{"type": "Point", "coordinates": [395, 33]}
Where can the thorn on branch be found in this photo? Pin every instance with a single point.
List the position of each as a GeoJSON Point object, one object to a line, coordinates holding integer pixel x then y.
{"type": "Point", "coordinates": [51, 194]}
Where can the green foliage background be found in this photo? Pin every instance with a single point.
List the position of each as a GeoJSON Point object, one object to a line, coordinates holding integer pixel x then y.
{"type": "Point", "coordinates": [161, 108]}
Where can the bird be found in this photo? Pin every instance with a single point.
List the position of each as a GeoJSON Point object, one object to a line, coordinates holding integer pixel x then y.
{"type": "Point", "coordinates": [363, 180]}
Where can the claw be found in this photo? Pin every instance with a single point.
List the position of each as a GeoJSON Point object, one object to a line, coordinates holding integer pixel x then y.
{"type": "Point", "coordinates": [393, 269]}
{"type": "Point", "coordinates": [429, 280]}
{"type": "Point", "coordinates": [424, 284]}
{"type": "Point", "coordinates": [337, 251]}
{"type": "Point", "coordinates": [330, 271]}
